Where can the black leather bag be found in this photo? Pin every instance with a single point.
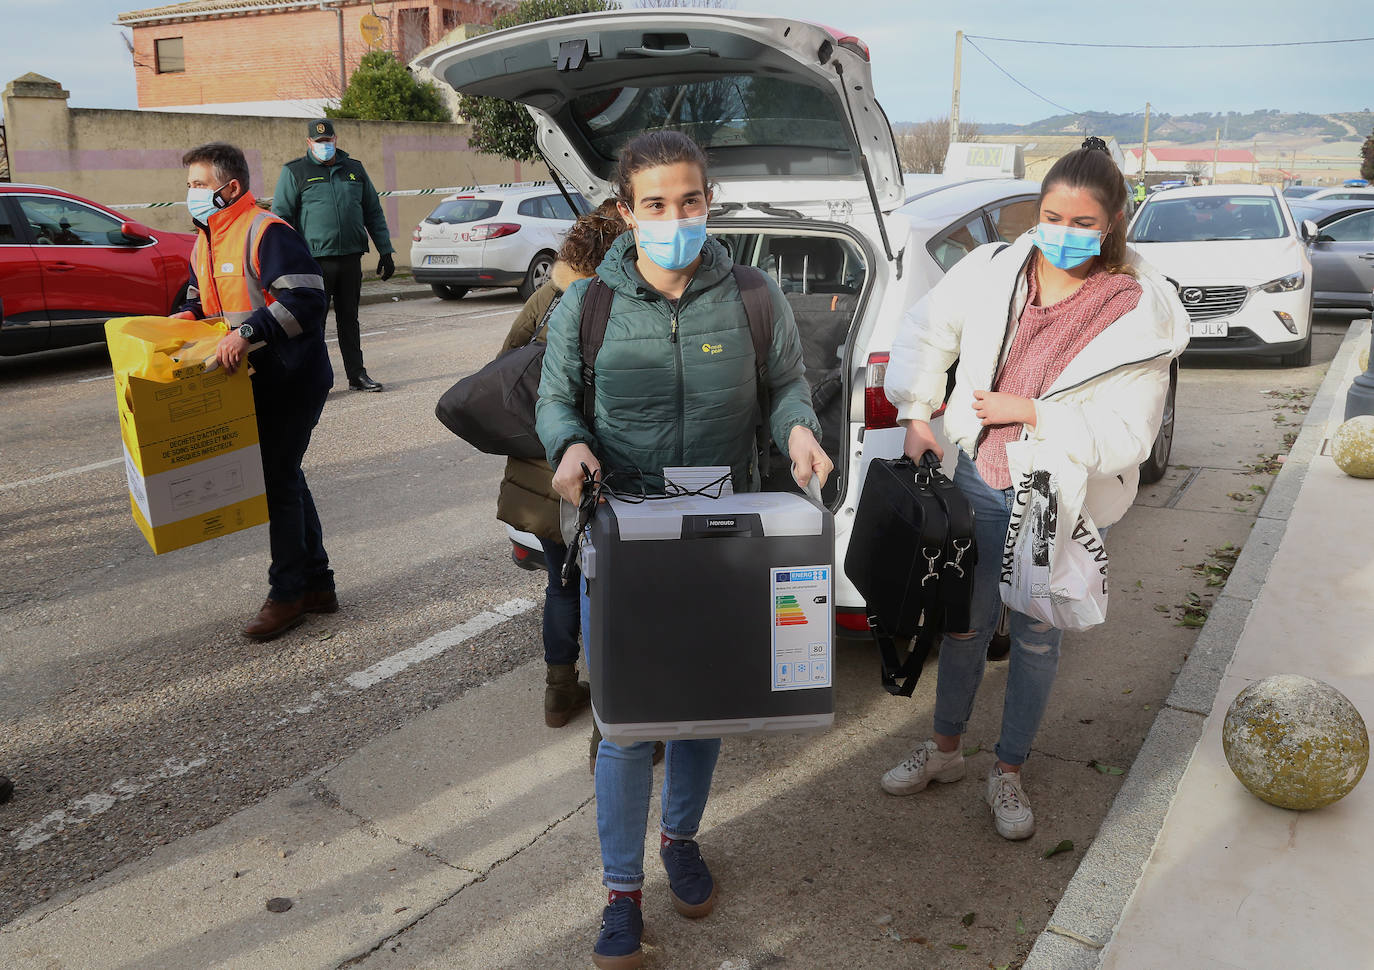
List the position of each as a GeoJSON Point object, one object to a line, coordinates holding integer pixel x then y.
{"type": "Point", "coordinates": [911, 556]}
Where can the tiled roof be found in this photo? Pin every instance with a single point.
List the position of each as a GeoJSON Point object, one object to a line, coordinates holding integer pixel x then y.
{"type": "Point", "coordinates": [1197, 154]}
{"type": "Point", "coordinates": [191, 9]}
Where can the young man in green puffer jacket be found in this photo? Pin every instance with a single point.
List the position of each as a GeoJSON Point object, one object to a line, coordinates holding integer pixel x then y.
{"type": "Point", "coordinates": [674, 385]}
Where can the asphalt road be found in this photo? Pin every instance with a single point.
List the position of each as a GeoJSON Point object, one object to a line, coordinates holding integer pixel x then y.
{"type": "Point", "coordinates": [132, 711]}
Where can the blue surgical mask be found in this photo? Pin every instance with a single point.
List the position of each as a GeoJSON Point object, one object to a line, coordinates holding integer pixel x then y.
{"type": "Point", "coordinates": [1067, 246]}
{"type": "Point", "coordinates": [672, 243]}
{"type": "Point", "coordinates": [323, 151]}
{"type": "Point", "coordinates": [204, 202]}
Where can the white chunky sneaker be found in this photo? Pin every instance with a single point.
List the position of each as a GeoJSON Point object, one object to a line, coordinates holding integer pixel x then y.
{"type": "Point", "coordinates": [1011, 811]}
{"type": "Point", "coordinates": [925, 764]}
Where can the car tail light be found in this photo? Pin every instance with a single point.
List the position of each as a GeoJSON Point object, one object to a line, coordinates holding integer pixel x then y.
{"type": "Point", "coordinates": [415, 236]}
{"type": "Point", "coordinates": [849, 42]}
{"type": "Point", "coordinates": [854, 622]}
{"type": "Point", "coordinates": [518, 552]}
{"type": "Point", "coordinates": [491, 230]}
{"type": "Point", "coordinates": [879, 412]}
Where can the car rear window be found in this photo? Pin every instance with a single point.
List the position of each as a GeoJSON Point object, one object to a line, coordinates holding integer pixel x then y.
{"type": "Point", "coordinates": [728, 111]}
{"type": "Point", "coordinates": [1207, 218]}
{"type": "Point", "coordinates": [456, 211]}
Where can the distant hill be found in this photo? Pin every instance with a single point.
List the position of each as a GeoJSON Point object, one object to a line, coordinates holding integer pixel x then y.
{"type": "Point", "coordinates": [1200, 127]}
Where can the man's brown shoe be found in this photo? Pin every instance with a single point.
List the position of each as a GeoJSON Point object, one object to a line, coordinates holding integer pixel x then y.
{"type": "Point", "coordinates": [275, 618]}
{"type": "Point", "coordinates": [321, 601]}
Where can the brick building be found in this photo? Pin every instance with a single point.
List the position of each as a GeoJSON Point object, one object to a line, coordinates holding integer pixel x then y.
{"type": "Point", "coordinates": [277, 57]}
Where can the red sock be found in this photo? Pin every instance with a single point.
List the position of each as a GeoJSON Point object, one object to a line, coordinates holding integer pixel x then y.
{"type": "Point", "coordinates": [637, 896]}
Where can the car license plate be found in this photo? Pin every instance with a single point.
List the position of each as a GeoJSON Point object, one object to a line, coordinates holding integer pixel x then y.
{"type": "Point", "coordinates": [441, 260]}
{"type": "Point", "coordinates": [1207, 328]}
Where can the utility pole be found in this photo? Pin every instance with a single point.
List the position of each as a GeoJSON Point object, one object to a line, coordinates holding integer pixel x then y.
{"type": "Point", "coordinates": [954, 102]}
{"type": "Point", "coordinates": [1145, 142]}
{"type": "Point", "coordinates": [1216, 150]}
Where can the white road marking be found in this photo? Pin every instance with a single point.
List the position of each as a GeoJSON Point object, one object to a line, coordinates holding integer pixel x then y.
{"type": "Point", "coordinates": [96, 803]}
{"type": "Point", "coordinates": [102, 377]}
{"type": "Point", "coordinates": [437, 644]}
{"type": "Point", "coordinates": [87, 807]}
{"type": "Point", "coordinates": [9, 487]}
{"type": "Point", "coordinates": [493, 313]}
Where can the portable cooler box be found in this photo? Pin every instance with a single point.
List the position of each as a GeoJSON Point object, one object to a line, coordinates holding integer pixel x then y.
{"type": "Point", "coordinates": [710, 616]}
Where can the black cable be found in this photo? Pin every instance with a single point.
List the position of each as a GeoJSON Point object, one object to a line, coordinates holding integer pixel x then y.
{"type": "Point", "coordinates": [1170, 47]}
{"type": "Point", "coordinates": [1008, 74]}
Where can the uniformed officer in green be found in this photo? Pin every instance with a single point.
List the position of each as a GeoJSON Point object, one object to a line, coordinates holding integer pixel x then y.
{"type": "Point", "coordinates": [1140, 191]}
{"type": "Point", "coordinates": [328, 197]}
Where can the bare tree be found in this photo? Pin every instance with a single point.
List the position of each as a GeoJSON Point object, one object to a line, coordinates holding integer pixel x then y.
{"type": "Point", "coordinates": [923, 147]}
{"type": "Point", "coordinates": [665, 4]}
{"type": "Point", "coordinates": [1198, 168]}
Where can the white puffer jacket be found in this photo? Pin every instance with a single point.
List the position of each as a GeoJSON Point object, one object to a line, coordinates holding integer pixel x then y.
{"type": "Point", "coordinates": [1103, 411]}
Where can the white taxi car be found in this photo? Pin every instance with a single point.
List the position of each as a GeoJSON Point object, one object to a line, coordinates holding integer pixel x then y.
{"type": "Point", "coordinates": [499, 237]}
{"type": "Point", "coordinates": [1241, 266]}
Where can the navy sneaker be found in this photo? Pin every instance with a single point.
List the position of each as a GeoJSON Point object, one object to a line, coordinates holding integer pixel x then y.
{"type": "Point", "coordinates": [689, 881]}
{"type": "Point", "coordinates": [617, 948]}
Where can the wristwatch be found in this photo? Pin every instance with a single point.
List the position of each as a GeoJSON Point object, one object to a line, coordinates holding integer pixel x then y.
{"type": "Point", "coordinates": [247, 332]}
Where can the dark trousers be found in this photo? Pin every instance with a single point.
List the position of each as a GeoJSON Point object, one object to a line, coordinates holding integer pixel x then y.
{"type": "Point", "coordinates": [286, 417]}
{"type": "Point", "coordinates": [343, 284]}
{"type": "Point", "coordinates": [562, 607]}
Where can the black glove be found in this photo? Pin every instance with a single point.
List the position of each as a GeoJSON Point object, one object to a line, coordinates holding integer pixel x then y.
{"type": "Point", "coordinates": [386, 266]}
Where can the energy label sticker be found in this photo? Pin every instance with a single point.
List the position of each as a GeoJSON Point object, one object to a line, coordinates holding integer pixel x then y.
{"type": "Point", "coordinates": [803, 624]}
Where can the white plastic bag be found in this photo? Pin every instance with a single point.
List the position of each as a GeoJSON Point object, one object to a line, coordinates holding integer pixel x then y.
{"type": "Point", "coordinates": [1054, 564]}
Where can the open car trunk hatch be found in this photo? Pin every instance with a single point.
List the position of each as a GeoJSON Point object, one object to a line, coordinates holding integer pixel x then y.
{"type": "Point", "coordinates": [779, 105]}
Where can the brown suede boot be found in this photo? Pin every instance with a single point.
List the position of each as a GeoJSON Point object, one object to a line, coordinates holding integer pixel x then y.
{"type": "Point", "coordinates": [275, 618]}
{"type": "Point", "coordinates": [565, 695]}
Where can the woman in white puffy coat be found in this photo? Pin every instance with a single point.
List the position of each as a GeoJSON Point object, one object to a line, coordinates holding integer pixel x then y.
{"type": "Point", "coordinates": [1062, 337]}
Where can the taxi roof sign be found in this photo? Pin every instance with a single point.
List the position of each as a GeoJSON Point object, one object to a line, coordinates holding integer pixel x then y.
{"type": "Point", "coordinates": [984, 160]}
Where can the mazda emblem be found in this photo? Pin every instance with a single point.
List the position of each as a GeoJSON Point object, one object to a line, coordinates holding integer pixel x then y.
{"type": "Point", "coordinates": [1192, 296]}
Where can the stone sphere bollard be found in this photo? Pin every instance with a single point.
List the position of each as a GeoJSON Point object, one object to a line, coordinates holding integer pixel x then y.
{"type": "Point", "coordinates": [1295, 742]}
{"type": "Point", "coordinates": [1352, 446]}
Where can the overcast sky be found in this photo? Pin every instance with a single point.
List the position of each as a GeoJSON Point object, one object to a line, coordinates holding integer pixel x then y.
{"type": "Point", "coordinates": [912, 43]}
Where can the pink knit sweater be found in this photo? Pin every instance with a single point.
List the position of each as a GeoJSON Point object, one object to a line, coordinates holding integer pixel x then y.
{"type": "Point", "coordinates": [1047, 338]}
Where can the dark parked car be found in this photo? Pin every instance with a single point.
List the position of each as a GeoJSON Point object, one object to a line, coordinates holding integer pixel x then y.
{"type": "Point", "coordinates": [68, 264]}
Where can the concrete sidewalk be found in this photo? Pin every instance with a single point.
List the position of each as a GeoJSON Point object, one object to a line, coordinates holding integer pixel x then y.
{"type": "Point", "coordinates": [1231, 881]}
{"type": "Point", "coordinates": [393, 290]}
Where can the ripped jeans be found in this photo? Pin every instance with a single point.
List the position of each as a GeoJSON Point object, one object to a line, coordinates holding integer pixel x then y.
{"type": "Point", "coordinates": [1034, 645]}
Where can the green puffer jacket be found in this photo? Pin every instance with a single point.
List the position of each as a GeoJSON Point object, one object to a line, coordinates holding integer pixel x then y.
{"type": "Point", "coordinates": [663, 400]}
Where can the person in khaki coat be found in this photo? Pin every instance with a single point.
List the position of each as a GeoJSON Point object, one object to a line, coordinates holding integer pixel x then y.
{"type": "Point", "coordinates": [527, 500]}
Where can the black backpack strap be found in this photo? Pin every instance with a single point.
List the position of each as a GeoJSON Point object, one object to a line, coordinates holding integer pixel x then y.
{"type": "Point", "coordinates": [596, 310]}
{"type": "Point", "coordinates": [907, 670]}
{"type": "Point", "coordinates": [758, 307]}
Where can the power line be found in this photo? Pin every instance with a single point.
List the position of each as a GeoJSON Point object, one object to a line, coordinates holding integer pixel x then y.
{"type": "Point", "coordinates": [968, 40]}
{"type": "Point", "coordinates": [1171, 47]}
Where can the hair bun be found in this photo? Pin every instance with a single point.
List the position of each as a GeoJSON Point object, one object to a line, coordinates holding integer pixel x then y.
{"type": "Point", "coordinates": [1092, 141]}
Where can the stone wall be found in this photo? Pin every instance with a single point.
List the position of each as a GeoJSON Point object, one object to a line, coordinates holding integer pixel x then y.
{"type": "Point", "coordinates": [115, 157]}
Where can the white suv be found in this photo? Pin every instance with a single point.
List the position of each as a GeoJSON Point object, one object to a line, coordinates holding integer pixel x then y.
{"type": "Point", "coordinates": [505, 237]}
{"type": "Point", "coordinates": [782, 107]}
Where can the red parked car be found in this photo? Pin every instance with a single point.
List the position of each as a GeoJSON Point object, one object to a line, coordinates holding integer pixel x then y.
{"type": "Point", "coordinates": [68, 264]}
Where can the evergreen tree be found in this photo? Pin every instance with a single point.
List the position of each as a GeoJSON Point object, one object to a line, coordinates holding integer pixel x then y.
{"type": "Point", "coordinates": [381, 89]}
{"type": "Point", "coordinates": [503, 127]}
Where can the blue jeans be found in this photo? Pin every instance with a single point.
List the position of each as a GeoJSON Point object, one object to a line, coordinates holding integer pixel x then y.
{"type": "Point", "coordinates": [624, 776]}
{"type": "Point", "coordinates": [286, 417]}
{"type": "Point", "coordinates": [562, 607]}
{"type": "Point", "coordinates": [1034, 645]}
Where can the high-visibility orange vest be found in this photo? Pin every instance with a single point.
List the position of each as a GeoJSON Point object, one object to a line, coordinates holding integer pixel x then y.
{"type": "Point", "coordinates": [228, 274]}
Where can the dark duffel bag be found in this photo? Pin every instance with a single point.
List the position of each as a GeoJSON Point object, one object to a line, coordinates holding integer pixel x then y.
{"type": "Point", "coordinates": [493, 409]}
{"type": "Point", "coordinates": [911, 556]}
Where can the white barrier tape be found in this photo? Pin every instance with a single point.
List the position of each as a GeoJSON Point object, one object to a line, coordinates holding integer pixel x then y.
{"type": "Point", "coordinates": [389, 192]}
